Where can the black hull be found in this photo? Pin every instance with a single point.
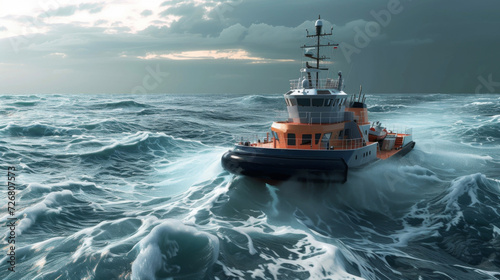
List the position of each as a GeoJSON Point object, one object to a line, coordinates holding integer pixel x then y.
{"type": "Point", "coordinates": [276, 166]}
{"type": "Point", "coordinates": [283, 168]}
{"type": "Point", "coordinates": [404, 150]}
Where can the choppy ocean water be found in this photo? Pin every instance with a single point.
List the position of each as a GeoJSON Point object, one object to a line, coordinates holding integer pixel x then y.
{"type": "Point", "coordinates": [131, 187]}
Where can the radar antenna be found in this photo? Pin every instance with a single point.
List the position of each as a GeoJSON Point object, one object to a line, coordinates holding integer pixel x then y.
{"type": "Point", "coordinates": [319, 26]}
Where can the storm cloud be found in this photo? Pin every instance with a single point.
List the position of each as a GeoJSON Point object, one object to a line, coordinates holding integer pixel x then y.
{"type": "Point", "coordinates": [246, 46]}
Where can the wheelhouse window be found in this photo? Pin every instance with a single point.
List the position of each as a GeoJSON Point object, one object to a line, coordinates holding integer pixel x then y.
{"type": "Point", "coordinates": [317, 102]}
{"type": "Point", "coordinates": [317, 136]}
{"type": "Point", "coordinates": [306, 139]}
{"type": "Point", "coordinates": [291, 139]}
{"type": "Point", "coordinates": [304, 101]}
{"type": "Point", "coordinates": [276, 136]}
{"type": "Point", "coordinates": [293, 102]}
{"type": "Point", "coordinates": [328, 102]}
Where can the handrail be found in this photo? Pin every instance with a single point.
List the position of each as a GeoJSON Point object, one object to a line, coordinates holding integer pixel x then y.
{"type": "Point", "coordinates": [327, 83]}
{"type": "Point", "coordinates": [332, 144]}
{"type": "Point", "coordinates": [399, 130]}
{"type": "Point", "coordinates": [348, 144]}
{"type": "Point", "coordinates": [322, 117]}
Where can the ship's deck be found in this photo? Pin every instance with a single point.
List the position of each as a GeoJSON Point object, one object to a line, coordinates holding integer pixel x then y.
{"type": "Point", "coordinates": [387, 154]}
{"type": "Point", "coordinates": [381, 154]}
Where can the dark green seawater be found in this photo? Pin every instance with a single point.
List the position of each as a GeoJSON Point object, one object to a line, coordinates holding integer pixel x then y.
{"type": "Point", "coordinates": [131, 187]}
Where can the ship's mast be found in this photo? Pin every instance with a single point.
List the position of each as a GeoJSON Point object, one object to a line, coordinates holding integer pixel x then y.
{"type": "Point", "coordinates": [319, 26]}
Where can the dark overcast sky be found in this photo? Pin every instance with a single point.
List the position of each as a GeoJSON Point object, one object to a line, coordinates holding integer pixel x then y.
{"type": "Point", "coordinates": [245, 46]}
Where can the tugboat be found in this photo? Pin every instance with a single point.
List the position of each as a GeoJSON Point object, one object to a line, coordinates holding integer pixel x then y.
{"type": "Point", "coordinates": [326, 133]}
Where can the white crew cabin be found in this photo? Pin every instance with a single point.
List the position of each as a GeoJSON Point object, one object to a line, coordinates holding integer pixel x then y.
{"type": "Point", "coordinates": [316, 101]}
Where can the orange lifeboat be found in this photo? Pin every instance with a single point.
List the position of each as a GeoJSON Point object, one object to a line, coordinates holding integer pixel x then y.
{"type": "Point", "coordinates": [377, 132]}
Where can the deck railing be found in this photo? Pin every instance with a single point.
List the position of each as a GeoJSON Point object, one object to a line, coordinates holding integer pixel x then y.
{"type": "Point", "coordinates": [322, 84]}
{"type": "Point", "coordinates": [348, 144]}
{"type": "Point", "coordinates": [322, 117]}
{"type": "Point", "coordinates": [266, 141]}
{"type": "Point", "coordinates": [399, 130]}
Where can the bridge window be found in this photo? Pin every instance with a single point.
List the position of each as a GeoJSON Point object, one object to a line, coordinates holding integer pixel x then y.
{"type": "Point", "coordinates": [317, 102]}
{"type": "Point", "coordinates": [317, 136]}
{"type": "Point", "coordinates": [304, 101]}
{"type": "Point", "coordinates": [306, 139]}
{"type": "Point", "coordinates": [328, 102]}
{"type": "Point", "coordinates": [291, 139]}
{"type": "Point", "coordinates": [293, 102]}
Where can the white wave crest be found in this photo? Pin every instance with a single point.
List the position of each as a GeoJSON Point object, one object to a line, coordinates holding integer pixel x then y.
{"type": "Point", "coordinates": [174, 239]}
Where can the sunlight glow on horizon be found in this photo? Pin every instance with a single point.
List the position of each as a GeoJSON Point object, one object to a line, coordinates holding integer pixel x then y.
{"type": "Point", "coordinates": [232, 54]}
